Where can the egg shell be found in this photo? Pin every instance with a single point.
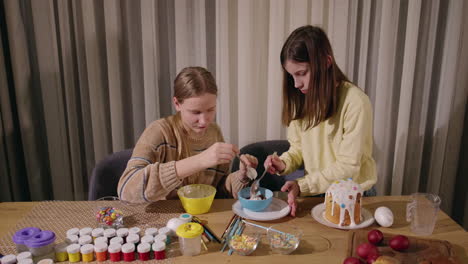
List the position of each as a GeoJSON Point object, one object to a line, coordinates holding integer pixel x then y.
{"type": "Point", "coordinates": [384, 216]}
{"type": "Point", "coordinates": [173, 224]}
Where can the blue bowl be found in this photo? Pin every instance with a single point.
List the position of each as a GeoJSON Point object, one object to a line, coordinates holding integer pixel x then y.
{"type": "Point", "coordinates": [255, 205]}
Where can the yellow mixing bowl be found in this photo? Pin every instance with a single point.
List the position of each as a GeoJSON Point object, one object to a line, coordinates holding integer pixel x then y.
{"type": "Point", "coordinates": [197, 198]}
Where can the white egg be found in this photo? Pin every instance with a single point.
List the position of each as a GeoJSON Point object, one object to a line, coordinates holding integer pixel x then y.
{"type": "Point", "coordinates": [384, 216]}
{"type": "Point", "coordinates": [173, 224]}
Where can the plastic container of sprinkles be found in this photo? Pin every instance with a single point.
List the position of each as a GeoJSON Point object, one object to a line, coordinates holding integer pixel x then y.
{"type": "Point", "coordinates": [147, 239]}
{"type": "Point", "coordinates": [22, 235]}
{"type": "Point", "coordinates": [161, 238]}
{"type": "Point", "coordinates": [115, 252]}
{"type": "Point", "coordinates": [97, 232]}
{"type": "Point", "coordinates": [128, 251]}
{"type": "Point", "coordinates": [41, 244]}
{"type": "Point", "coordinates": [151, 231]}
{"type": "Point", "coordinates": [101, 240]}
{"type": "Point", "coordinates": [25, 261]}
{"type": "Point", "coordinates": [122, 232]}
{"type": "Point", "coordinates": [86, 231]}
{"type": "Point", "coordinates": [24, 255]}
{"type": "Point", "coordinates": [166, 231]}
{"type": "Point", "coordinates": [72, 239]}
{"type": "Point", "coordinates": [87, 252]}
{"type": "Point", "coordinates": [159, 249]}
{"type": "Point", "coordinates": [73, 251]}
{"type": "Point", "coordinates": [116, 240]}
{"type": "Point", "coordinates": [73, 232]}
{"type": "Point", "coordinates": [8, 259]}
{"type": "Point", "coordinates": [101, 251]}
{"type": "Point", "coordinates": [85, 240]}
{"type": "Point", "coordinates": [61, 253]}
{"type": "Point", "coordinates": [144, 251]}
{"type": "Point", "coordinates": [134, 230]}
{"type": "Point", "coordinates": [133, 238]}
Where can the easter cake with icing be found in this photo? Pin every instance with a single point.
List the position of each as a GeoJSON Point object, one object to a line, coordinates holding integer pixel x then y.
{"type": "Point", "coordinates": [343, 203]}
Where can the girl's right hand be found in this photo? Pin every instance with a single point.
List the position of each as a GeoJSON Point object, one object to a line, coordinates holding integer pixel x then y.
{"type": "Point", "coordinates": [274, 164]}
{"type": "Point", "coordinates": [218, 153]}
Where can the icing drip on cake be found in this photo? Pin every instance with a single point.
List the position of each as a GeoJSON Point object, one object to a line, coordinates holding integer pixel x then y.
{"type": "Point", "coordinates": [344, 193]}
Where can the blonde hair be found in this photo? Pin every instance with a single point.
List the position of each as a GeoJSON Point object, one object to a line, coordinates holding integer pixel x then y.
{"type": "Point", "coordinates": [190, 82]}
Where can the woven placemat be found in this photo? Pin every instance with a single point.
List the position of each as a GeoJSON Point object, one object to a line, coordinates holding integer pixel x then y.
{"type": "Point", "coordinates": [61, 216]}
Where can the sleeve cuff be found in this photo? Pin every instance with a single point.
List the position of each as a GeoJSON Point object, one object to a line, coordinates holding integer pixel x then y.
{"type": "Point", "coordinates": [168, 174]}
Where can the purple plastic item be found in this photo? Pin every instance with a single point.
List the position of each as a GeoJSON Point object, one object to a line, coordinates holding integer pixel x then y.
{"type": "Point", "coordinates": [24, 234]}
{"type": "Point", "coordinates": [44, 238]}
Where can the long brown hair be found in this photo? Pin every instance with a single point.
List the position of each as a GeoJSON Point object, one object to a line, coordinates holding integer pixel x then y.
{"type": "Point", "coordinates": [310, 44]}
{"type": "Point", "coordinates": [190, 82]}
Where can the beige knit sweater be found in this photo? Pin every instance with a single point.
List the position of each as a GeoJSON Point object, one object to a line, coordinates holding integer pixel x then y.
{"type": "Point", "coordinates": [151, 174]}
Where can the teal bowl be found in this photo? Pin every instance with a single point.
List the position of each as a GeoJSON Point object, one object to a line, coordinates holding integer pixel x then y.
{"type": "Point", "coordinates": [255, 205]}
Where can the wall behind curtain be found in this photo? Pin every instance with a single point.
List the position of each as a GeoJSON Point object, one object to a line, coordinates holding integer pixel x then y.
{"type": "Point", "coordinates": [82, 79]}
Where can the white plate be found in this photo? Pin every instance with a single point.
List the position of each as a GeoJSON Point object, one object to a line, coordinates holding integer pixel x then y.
{"type": "Point", "coordinates": [277, 209]}
{"type": "Point", "coordinates": [318, 213]}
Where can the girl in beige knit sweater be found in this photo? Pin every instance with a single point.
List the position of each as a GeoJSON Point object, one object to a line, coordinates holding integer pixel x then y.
{"type": "Point", "coordinates": [185, 148]}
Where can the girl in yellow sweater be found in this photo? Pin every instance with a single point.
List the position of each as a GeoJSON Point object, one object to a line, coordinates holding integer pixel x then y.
{"type": "Point", "coordinates": [329, 119]}
{"type": "Point", "coordinates": [185, 148]}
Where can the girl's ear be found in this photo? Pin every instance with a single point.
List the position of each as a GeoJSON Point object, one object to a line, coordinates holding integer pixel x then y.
{"type": "Point", "coordinates": [176, 104]}
{"type": "Point", "coordinates": [329, 61]}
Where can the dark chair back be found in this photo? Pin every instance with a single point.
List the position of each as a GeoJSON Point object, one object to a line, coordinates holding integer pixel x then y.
{"type": "Point", "coordinates": [105, 176]}
{"type": "Point", "coordinates": [261, 150]}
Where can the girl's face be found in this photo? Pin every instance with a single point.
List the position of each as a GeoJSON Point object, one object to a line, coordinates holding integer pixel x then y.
{"type": "Point", "coordinates": [197, 113]}
{"type": "Point", "coordinates": [300, 72]}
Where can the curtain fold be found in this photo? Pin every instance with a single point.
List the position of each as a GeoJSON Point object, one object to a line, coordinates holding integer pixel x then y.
{"type": "Point", "coordinates": [82, 79]}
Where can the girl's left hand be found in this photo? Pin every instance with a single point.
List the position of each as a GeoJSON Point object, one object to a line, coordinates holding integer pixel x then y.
{"type": "Point", "coordinates": [247, 160]}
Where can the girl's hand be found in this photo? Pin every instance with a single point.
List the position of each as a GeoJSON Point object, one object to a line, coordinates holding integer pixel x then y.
{"type": "Point", "coordinates": [247, 162]}
{"type": "Point", "coordinates": [274, 164]}
{"type": "Point", "coordinates": [218, 153]}
{"type": "Point", "coordinates": [293, 192]}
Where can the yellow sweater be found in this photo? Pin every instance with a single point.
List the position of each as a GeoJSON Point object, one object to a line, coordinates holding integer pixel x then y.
{"type": "Point", "coordinates": [338, 148]}
{"type": "Point", "coordinates": [151, 174]}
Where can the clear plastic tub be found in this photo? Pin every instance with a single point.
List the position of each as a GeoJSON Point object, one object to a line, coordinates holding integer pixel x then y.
{"type": "Point", "coordinates": [41, 244]}
{"type": "Point", "coordinates": [22, 235]}
{"type": "Point", "coordinates": [190, 238]}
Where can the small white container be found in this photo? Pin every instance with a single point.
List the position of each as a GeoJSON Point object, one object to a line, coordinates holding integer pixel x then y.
{"type": "Point", "coordinates": [46, 261]}
{"type": "Point", "coordinates": [73, 232]}
{"type": "Point", "coordinates": [97, 232]}
{"type": "Point", "coordinates": [133, 238]}
{"type": "Point", "coordinates": [72, 239]}
{"type": "Point", "coordinates": [8, 259]}
{"type": "Point", "coordinates": [151, 231]}
{"type": "Point", "coordinates": [161, 238]}
{"type": "Point", "coordinates": [24, 255]}
{"type": "Point", "coordinates": [116, 240]}
{"type": "Point", "coordinates": [25, 261]}
{"type": "Point", "coordinates": [186, 217]}
{"type": "Point", "coordinates": [110, 233]}
{"type": "Point", "coordinates": [114, 248]}
{"type": "Point", "coordinates": [101, 240]}
{"type": "Point", "coordinates": [128, 248]}
{"type": "Point", "coordinates": [143, 248]}
{"type": "Point", "coordinates": [122, 232]}
{"type": "Point", "coordinates": [134, 230]}
{"type": "Point", "coordinates": [147, 239]}
{"type": "Point", "coordinates": [100, 247]}
{"type": "Point", "coordinates": [87, 239]}
{"type": "Point", "coordinates": [86, 231]}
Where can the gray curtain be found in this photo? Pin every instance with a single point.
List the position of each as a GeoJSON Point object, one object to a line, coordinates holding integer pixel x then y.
{"type": "Point", "coordinates": [82, 79]}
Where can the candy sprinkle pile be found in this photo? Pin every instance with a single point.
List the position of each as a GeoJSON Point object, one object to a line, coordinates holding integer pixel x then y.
{"type": "Point", "coordinates": [243, 243]}
{"type": "Point", "coordinates": [109, 216]}
{"type": "Point", "coordinates": [283, 241]}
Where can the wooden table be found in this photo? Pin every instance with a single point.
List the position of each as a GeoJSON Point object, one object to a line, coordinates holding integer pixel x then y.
{"type": "Point", "coordinates": [314, 232]}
